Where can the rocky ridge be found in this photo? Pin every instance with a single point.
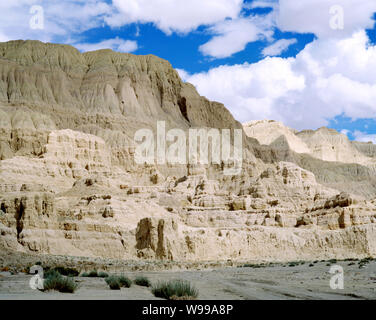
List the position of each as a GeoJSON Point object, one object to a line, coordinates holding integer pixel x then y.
{"type": "Point", "coordinates": [69, 184]}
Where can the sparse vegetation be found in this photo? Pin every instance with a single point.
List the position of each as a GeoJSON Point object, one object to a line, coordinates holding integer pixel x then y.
{"type": "Point", "coordinates": [362, 263]}
{"type": "Point", "coordinates": [51, 273]}
{"type": "Point", "coordinates": [174, 289]}
{"type": "Point", "coordinates": [70, 272]}
{"type": "Point", "coordinates": [93, 274]}
{"type": "Point", "coordinates": [113, 282]}
{"type": "Point", "coordinates": [125, 281]}
{"type": "Point", "coordinates": [55, 281]}
{"type": "Point", "coordinates": [90, 274]}
{"type": "Point", "coordinates": [251, 265]}
{"type": "Point", "coordinates": [142, 281]}
{"type": "Point", "coordinates": [182, 298]}
{"type": "Point", "coordinates": [117, 282]}
{"type": "Point", "coordinates": [260, 265]}
{"type": "Point", "coordinates": [102, 274]}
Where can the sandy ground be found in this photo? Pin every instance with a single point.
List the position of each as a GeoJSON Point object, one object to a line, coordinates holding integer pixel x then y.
{"type": "Point", "coordinates": [280, 281]}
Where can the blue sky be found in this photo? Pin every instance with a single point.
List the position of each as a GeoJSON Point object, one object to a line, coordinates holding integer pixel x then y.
{"type": "Point", "coordinates": [308, 66]}
{"type": "Point", "coordinates": [182, 50]}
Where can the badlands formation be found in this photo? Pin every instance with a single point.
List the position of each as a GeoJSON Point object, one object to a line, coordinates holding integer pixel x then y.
{"type": "Point", "coordinates": [69, 184]}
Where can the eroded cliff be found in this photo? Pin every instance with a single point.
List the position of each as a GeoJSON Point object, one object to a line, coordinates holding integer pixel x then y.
{"type": "Point", "coordinates": [69, 184]}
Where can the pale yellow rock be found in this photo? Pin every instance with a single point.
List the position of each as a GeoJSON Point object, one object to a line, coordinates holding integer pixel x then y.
{"type": "Point", "coordinates": [273, 132]}
{"type": "Point", "coordinates": [324, 144]}
{"type": "Point", "coordinates": [69, 184]}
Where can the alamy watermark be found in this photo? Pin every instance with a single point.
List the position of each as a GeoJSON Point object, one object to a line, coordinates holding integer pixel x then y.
{"type": "Point", "coordinates": [175, 148]}
{"type": "Point", "coordinates": [337, 17]}
{"type": "Point", "coordinates": [36, 281]}
{"type": "Point", "coordinates": [37, 19]}
{"type": "Point", "coordinates": [337, 281]}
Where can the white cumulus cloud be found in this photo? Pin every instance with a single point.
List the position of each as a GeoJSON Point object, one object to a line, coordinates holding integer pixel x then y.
{"type": "Point", "coordinates": [115, 44]}
{"type": "Point", "coordinates": [174, 15]}
{"type": "Point", "coordinates": [61, 18]}
{"type": "Point", "coordinates": [364, 137]}
{"type": "Point", "coordinates": [184, 75]}
{"type": "Point", "coordinates": [328, 78]}
{"type": "Point", "coordinates": [232, 36]}
{"type": "Point", "coordinates": [250, 90]}
{"type": "Point", "coordinates": [320, 16]}
{"type": "Point", "coordinates": [261, 4]}
{"type": "Point", "coordinates": [3, 37]}
{"type": "Point", "coordinates": [278, 47]}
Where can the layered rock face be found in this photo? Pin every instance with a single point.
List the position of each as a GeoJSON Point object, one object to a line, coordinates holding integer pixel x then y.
{"type": "Point", "coordinates": [324, 144]}
{"type": "Point", "coordinates": [336, 162]}
{"type": "Point", "coordinates": [69, 184]}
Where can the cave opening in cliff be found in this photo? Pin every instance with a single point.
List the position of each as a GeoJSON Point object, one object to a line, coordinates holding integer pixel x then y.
{"type": "Point", "coordinates": [183, 108]}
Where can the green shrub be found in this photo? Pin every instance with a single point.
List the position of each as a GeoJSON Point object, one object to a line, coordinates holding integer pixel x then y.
{"type": "Point", "coordinates": [93, 274]}
{"type": "Point", "coordinates": [116, 282]}
{"type": "Point", "coordinates": [55, 281]}
{"type": "Point", "coordinates": [174, 288]}
{"type": "Point", "coordinates": [142, 281]}
{"type": "Point", "coordinates": [350, 260]}
{"type": "Point", "coordinates": [365, 260]}
{"type": "Point", "coordinates": [113, 282]}
{"type": "Point", "coordinates": [51, 273]}
{"type": "Point", "coordinates": [296, 263]}
{"type": "Point", "coordinates": [124, 281]}
{"type": "Point", "coordinates": [255, 266]}
{"type": "Point", "coordinates": [70, 272]}
{"type": "Point", "coordinates": [293, 264]}
{"type": "Point", "coordinates": [182, 298]}
{"type": "Point", "coordinates": [362, 263]}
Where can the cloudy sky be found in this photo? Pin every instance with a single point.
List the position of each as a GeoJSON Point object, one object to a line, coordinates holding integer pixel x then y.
{"type": "Point", "coordinates": [307, 63]}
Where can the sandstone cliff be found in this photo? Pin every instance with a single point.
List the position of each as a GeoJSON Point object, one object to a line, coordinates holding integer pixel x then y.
{"type": "Point", "coordinates": [336, 162]}
{"type": "Point", "coordinates": [69, 184]}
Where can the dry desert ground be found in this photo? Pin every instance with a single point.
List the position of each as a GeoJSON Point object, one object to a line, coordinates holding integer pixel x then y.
{"type": "Point", "coordinates": [305, 281]}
